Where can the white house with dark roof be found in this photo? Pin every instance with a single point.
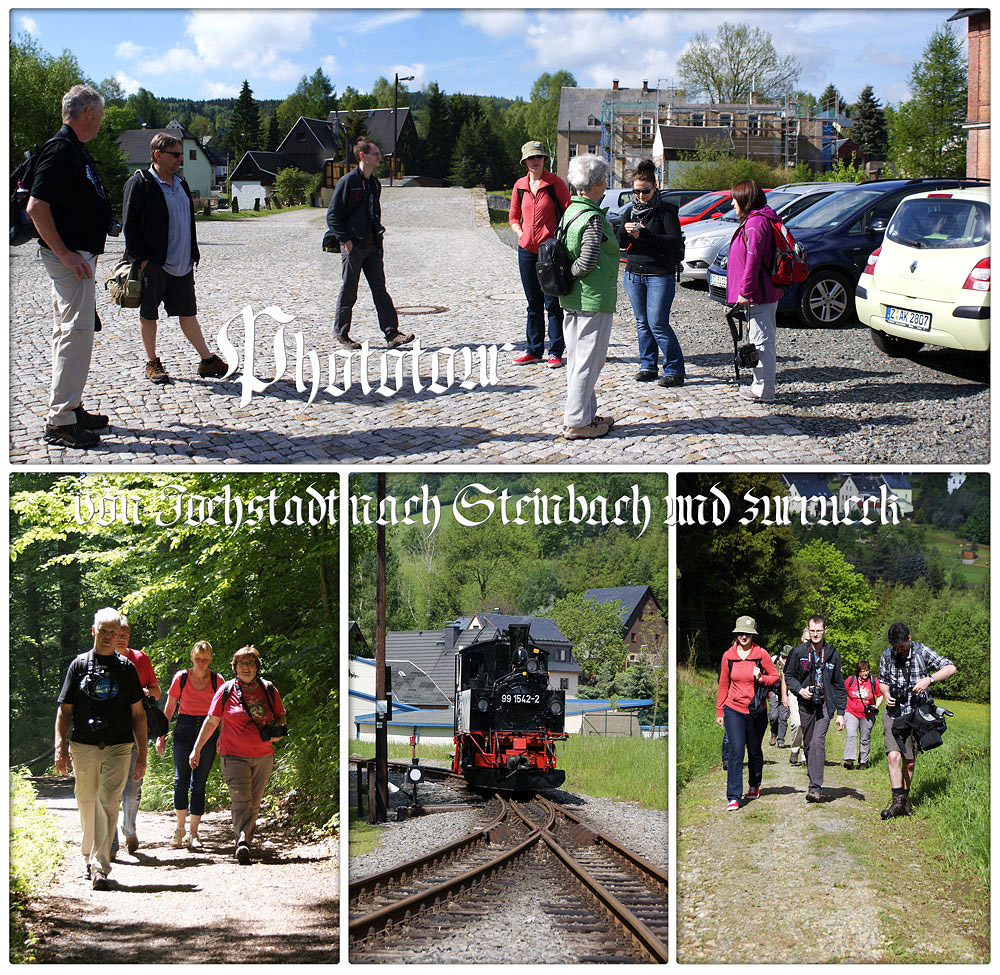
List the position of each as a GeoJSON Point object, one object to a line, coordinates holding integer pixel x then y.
{"type": "Point", "coordinates": [196, 168]}
{"type": "Point", "coordinates": [807, 490]}
{"type": "Point", "coordinates": [870, 486]}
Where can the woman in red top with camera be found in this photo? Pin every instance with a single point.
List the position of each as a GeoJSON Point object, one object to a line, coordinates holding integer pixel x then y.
{"type": "Point", "coordinates": [741, 708]}
{"type": "Point", "coordinates": [863, 699]}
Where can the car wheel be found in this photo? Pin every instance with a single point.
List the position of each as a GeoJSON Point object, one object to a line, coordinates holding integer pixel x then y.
{"type": "Point", "coordinates": [827, 299]}
{"type": "Point", "coordinates": [893, 346]}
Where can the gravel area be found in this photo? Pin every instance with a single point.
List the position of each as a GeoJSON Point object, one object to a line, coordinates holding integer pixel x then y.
{"type": "Point", "coordinates": [834, 384]}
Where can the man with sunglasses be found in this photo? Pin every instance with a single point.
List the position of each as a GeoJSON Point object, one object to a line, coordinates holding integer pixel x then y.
{"type": "Point", "coordinates": [160, 235]}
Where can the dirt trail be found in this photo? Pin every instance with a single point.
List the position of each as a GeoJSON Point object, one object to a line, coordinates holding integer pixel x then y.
{"type": "Point", "coordinates": [175, 906]}
{"type": "Point", "coordinates": [787, 881]}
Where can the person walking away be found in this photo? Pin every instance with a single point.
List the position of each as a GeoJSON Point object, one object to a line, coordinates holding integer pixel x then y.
{"type": "Point", "coordinates": [749, 285]}
{"type": "Point", "coordinates": [101, 700]}
{"type": "Point", "coordinates": [190, 695]}
{"type": "Point", "coordinates": [537, 201]}
{"type": "Point", "coordinates": [863, 700]}
{"type": "Point", "coordinates": [652, 244]}
{"type": "Point", "coordinates": [742, 711]}
{"type": "Point", "coordinates": [355, 219]}
{"type": "Point", "coordinates": [160, 234]}
{"type": "Point", "coordinates": [796, 755]}
{"type": "Point", "coordinates": [70, 210]}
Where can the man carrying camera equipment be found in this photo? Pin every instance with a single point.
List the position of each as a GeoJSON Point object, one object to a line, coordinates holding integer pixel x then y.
{"type": "Point", "coordinates": [813, 673]}
{"type": "Point", "coordinates": [777, 700]}
{"type": "Point", "coordinates": [70, 210]}
{"type": "Point", "coordinates": [102, 699]}
{"type": "Point", "coordinates": [905, 673]}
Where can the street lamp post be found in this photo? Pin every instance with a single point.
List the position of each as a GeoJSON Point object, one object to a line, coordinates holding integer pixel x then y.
{"type": "Point", "coordinates": [395, 108]}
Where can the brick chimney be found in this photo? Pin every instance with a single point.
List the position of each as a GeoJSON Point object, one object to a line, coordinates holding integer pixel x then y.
{"type": "Point", "coordinates": [645, 86]}
{"type": "Point", "coordinates": [614, 85]}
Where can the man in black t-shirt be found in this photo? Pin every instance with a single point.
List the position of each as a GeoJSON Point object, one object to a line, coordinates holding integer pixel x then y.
{"type": "Point", "coordinates": [102, 698]}
{"type": "Point", "coordinates": [70, 210]}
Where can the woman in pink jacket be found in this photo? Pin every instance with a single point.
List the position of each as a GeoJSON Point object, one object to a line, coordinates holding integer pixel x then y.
{"type": "Point", "coordinates": [748, 284]}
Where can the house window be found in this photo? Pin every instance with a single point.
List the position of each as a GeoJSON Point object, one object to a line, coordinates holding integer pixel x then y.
{"type": "Point", "coordinates": [593, 120]}
{"type": "Point", "coordinates": [192, 154]}
{"type": "Point", "coordinates": [697, 119]}
{"type": "Point", "coordinates": [572, 150]}
{"type": "Point", "coordinates": [632, 638]}
{"type": "Point", "coordinates": [564, 683]}
{"type": "Point", "coordinates": [647, 128]}
{"type": "Point", "coordinates": [753, 122]}
{"type": "Point", "coordinates": [592, 149]}
{"type": "Point", "coordinates": [300, 137]}
{"type": "Point", "coordinates": [725, 118]}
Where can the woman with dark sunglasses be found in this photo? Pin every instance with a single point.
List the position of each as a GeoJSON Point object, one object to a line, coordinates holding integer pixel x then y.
{"type": "Point", "coordinates": [652, 245]}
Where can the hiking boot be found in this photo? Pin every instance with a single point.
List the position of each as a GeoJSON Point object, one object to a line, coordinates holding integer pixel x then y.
{"type": "Point", "coordinates": [155, 372]}
{"type": "Point", "coordinates": [849, 763]}
{"type": "Point", "coordinates": [793, 760]}
{"type": "Point", "coordinates": [347, 342]}
{"type": "Point", "coordinates": [242, 853]}
{"type": "Point", "coordinates": [527, 359]}
{"type": "Point", "coordinates": [781, 744]}
{"type": "Point", "coordinates": [99, 880]}
{"type": "Point", "coordinates": [588, 432]}
{"type": "Point", "coordinates": [773, 741]}
{"type": "Point", "coordinates": [668, 381]}
{"type": "Point", "coordinates": [725, 766]}
{"type": "Point", "coordinates": [609, 420]}
{"type": "Point", "coordinates": [555, 362]}
{"type": "Point", "coordinates": [131, 843]}
{"type": "Point", "coordinates": [645, 376]}
{"type": "Point", "coordinates": [907, 808]}
{"type": "Point", "coordinates": [814, 795]}
{"type": "Point", "coordinates": [863, 765]}
{"type": "Point", "coordinates": [896, 807]}
{"type": "Point", "coordinates": [178, 841]}
{"type": "Point", "coordinates": [395, 339]}
{"type": "Point", "coordinates": [212, 368]}
{"type": "Point", "coordinates": [71, 435]}
{"type": "Point", "coordinates": [86, 871]}
{"type": "Point", "coordinates": [90, 421]}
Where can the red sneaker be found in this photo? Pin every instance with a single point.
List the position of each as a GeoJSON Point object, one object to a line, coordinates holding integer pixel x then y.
{"type": "Point", "coordinates": [733, 806]}
{"type": "Point", "coordinates": [753, 792]}
{"type": "Point", "coordinates": [526, 360]}
{"type": "Point", "coordinates": [554, 362]}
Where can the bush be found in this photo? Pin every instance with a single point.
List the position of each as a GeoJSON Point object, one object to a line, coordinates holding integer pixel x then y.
{"type": "Point", "coordinates": [713, 169]}
{"type": "Point", "coordinates": [293, 186]}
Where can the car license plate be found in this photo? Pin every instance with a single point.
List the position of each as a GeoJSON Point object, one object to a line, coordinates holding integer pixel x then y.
{"type": "Point", "coordinates": [717, 280]}
{"type": "Point", "coordinates": [910, 319]}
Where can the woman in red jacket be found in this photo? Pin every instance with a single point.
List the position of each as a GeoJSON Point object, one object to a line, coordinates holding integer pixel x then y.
{"type": "Point", "coordinates": [536, 204]}
{"type": "Point", "coordinates": [745, 667]}
{"type": "Point", "coordinates": [863, 699]}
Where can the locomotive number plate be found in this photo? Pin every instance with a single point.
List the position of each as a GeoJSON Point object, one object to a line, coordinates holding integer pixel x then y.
{"type": "Point", "coordinates": [520, 698]}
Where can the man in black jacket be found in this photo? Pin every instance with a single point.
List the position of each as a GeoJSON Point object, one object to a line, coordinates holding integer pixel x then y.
{"type": "Point", "coordinates": [70, 210]}
{"type": "Point", "coordinates": [814, 674]}
{"type": "Point", "coordinates": [355, 219]}
{"type": "Point", "coordinates": [160, 234]}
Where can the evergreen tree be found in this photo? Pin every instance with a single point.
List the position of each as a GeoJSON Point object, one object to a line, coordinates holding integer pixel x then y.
{"type": "Point", "coordinates": [434, 128]}
{"type": "Point", "coordinates": [925, 133]}
{"type": "Point", "coordinates": [244, 128]}
{"type": "Point", "coordinates": [830, 100]}
{"type": "Point", "coordinates": [869, 131]}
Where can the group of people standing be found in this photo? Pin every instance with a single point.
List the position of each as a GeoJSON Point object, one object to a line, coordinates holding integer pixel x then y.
{"type": "Point", "coordinates": [101, 736]}
{"type": "Point", "coordinates": [800, 690]}
{"type": "Point", "coordinates": [650, 244]}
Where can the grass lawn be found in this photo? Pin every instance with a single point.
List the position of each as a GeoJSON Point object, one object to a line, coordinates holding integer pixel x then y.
{"type": "Point", "coordinates": [950, 547]}
{"type": "Point", "coordinates": [248, 214]}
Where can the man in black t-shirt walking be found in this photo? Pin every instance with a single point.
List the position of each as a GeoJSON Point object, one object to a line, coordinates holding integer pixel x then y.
{"type": "Point", "coordinates": [70, 210]}
{"type": "Point", "coordinates": [102, 699]}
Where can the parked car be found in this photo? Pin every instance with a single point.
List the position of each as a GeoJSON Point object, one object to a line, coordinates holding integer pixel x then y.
{"type": "Point", "coordinates": [929, 282]}
{"type": "Point", "coordinates": [838, 234]}
{"type": "Point", "coordinates": [624, 197]}
{"type": "Point", "coordinates": [704, 240]}
{"type": "Point", "coordinates": [708, 206]}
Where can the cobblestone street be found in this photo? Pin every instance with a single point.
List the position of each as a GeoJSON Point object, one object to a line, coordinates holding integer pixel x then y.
{"type": "Point", "coordinates": [456, 284]}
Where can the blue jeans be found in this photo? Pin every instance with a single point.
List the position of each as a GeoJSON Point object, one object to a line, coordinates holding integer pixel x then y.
{"type": "Point", "coordinates": [131, 797]}
{"type": "Point", "coordinates": [745, 733]}
{"type": "Point", "coordinates": [651, 296]}
{"type": "Point", "coordinates": [186, 778]}
{"type": "Point", "coordinates": [538, 301]}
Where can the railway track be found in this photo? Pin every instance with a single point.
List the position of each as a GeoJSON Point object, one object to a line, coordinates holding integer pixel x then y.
{"type": "Point", "coordinates": [609, 903]}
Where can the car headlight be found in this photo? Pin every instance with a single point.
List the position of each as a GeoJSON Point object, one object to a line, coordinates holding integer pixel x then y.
{"type": "Point", "coordinates": [703, 242]}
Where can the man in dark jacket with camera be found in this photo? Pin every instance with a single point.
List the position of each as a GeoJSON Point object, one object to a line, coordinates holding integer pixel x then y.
{"type": "Point", "coordinates": [70, 210]}
{"type": "Point", "coordinates": [813, 673]}
{"type": "Point", "coordinates": [102, 699]}
{"type": "Point", "coordinates": [160, 235]}
{"type": "Point", "coordinates": [355, 219]}
{"type": "Point", "coordinates": [906, 672]}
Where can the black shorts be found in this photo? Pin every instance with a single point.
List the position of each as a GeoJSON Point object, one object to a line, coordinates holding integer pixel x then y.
{"type": "Point", "coordinates": [175, 294]}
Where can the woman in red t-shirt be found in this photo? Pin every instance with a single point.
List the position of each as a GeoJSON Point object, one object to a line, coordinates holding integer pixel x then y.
{"type": "Point", "coordinates": [745, 666]}
{"type": "Point", "coordinates": [862, 694]}
{"type": "Point", "coordinates": [190, 694]}
{"type": "Point", "coordinates": [252, 717]}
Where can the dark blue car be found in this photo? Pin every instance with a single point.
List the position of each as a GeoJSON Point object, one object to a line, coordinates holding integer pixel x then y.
{"type": "Point", "coordinates": [838, 234]}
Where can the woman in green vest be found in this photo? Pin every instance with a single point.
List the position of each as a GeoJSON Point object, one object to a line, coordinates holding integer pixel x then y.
{"type": "Point", "coordinates": [590, 305]}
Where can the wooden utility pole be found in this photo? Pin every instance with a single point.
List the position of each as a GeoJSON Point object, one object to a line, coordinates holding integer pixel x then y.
{"type": "Point", "coordinates": [379, 811]}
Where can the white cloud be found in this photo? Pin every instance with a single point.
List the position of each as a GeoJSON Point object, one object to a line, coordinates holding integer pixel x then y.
{"type": "Point", "coordinates": [177, 62]}
{"type": "Point", "coordinates": [129, 85]}
{"type": "Point", "coordinates": [281, 69]}
{"type": "Point", "coordinates": [378, 21]}
{"type": "Point", "coordinates": [494, 23]}
{"type": "Point", "coordinates": [129, 49]}
{"type": "Point", "coordinates": [220, 89]}
{"type": "Point", "coordinates": [329, 65]}
{"type": "Point", "coordinates": [28, 25]}
{"type": "Point", "coordinates": [418, 70]}
{"type": "Point", "coordinates": [247, 41]}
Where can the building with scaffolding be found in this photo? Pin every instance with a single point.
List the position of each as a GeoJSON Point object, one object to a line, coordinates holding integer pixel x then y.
{"type": "Point", "coordinates": [624, 125]}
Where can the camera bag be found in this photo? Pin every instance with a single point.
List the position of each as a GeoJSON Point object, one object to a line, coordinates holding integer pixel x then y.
{"type": "Point", "coordinates": [124, 284]}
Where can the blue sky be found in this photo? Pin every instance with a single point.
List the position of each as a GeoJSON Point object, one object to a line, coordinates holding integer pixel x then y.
{"type": "Point", "coordinates": [208, 53]}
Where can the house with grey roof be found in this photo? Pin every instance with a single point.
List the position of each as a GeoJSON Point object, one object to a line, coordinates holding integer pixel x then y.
{"type": "Point", "coordinates": [807, 491]}
{"type": "Point", "coordinates": [870, 486]}
{"type": "Point", "coordinates": [196, 168]}
{"type": "Point", "coordinates": [644, 626]}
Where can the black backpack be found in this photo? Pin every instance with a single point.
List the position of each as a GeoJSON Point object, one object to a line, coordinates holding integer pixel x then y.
{"type": "Point", "coordinates": [554, 267]}
{"type": "Point", "coordinates": [21, 227]}
{"type": "Point", "coordinates": [212, 676]}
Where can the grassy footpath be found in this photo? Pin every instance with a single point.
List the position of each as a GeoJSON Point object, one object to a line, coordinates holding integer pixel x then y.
{"type": "Point", "coordinates": [951, 788]}
{"type": "Point", "coordinates": [630, 769]}
{"type": "Point", "coordinates": [35, 852]}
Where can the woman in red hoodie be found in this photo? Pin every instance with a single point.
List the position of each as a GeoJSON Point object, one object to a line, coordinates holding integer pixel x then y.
{"type": "Point", "coordinates": [745, 666]}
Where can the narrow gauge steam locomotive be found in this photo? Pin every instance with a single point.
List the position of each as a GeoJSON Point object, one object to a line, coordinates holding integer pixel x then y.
{"type": "Point", "coordinates": [507, 719]}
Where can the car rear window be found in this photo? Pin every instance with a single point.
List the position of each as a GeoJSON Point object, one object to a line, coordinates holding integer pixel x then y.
{"type": "Point", "coordinates": [696, 206]}
{"type": "Point", "coordinates": [835, 209]}
{"type": "Point", "coordinates": [940, 223]}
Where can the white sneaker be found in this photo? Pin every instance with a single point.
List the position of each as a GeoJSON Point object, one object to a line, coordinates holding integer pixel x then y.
{"type": "Point", "coordinates": [192, 841]}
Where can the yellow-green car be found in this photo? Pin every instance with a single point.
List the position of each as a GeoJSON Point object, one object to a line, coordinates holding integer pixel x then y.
{"type": "Point", "coordinates": [929, 282]}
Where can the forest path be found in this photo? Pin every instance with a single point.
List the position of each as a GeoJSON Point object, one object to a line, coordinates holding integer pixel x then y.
{"type": "Point", "coordinates": [785, 881]}
{"type": "Point", "coordinates": [175, 906]}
